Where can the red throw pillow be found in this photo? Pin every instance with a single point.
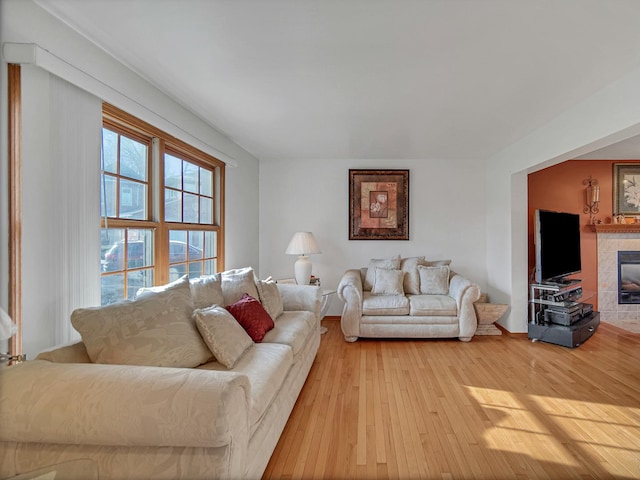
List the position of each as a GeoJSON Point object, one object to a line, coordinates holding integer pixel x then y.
{"type": "Point", "coordinates": [250, 313]}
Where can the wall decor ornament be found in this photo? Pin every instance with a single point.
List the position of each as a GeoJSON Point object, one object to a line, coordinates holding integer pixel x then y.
{"type": "Point", "coordinates": [378, 204]}
{"type": "Point", "coordinates": [626, 188]}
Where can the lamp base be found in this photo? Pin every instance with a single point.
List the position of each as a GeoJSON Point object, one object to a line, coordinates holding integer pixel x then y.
{"type": "Point", "coordinates": [302, 270]}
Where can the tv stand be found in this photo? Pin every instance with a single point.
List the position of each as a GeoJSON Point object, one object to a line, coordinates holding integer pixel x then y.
{"type": "Point", "coordinates": [556, 315]}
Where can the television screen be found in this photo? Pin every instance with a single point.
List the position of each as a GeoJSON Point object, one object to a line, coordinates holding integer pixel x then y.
{"type": "Point", "coordinates": [557, 239]}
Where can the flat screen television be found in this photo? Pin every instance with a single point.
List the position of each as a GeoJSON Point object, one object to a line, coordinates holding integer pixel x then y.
{"type": "Point", "coordinates": [557, 244]}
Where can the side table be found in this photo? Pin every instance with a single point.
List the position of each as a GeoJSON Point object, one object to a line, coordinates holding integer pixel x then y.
{"type": "Point", "coordinates": [487, 314]}
{"type": "Point", "coordinates": [327, 295]}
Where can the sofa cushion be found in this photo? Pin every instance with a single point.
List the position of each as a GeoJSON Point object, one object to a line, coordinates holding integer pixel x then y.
{"type": "Point", "coordinates": [434, 280]}
{"type": "Point", "coordinates": [270, 297]}
{"type": "Point", "coordinates": [293, 329]}
{"type": "Point", "coordinates": [250, 313]}
{"type": "Point", "coordinates": [235, 283]}
{"type": "Point", "coordinates": [392, 263]}
{"type": "Point", "coordinates": [267, 366]}
{"type": "Point", "coordinates": [73, 352]}
{"type": "Point", "coordinates": [411, 280]}
{"type": "Point", "coordinates": [222, 333]}
{"type": "Point", "coordinates": [154, 330]}
{"type": "Point", "coordinates": [384, 304]}
{"type": "Point", "coordinates": [440, 305]}
{"type": "Point", "coordinates": [205, 290]}
{"type": "Point", "coordinates": [387, 282]}
{"type": "Point", "coordinates": [436, 263]}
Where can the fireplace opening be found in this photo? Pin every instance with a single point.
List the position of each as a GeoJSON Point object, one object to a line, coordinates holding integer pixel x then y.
{"type": "Point", "coordinates": [629, 277]}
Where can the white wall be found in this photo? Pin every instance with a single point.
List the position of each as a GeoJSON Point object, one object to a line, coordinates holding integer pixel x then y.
{"type": "Point", "coordinates": [611, 115]}
{"type": "Point", "coordinates": [83, 64]}
{"type": "Point", "coordinates": [446, 215]}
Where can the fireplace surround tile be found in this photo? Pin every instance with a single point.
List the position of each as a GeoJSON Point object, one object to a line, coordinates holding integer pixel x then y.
{"type": "Point", "coordinates": [608, 245]}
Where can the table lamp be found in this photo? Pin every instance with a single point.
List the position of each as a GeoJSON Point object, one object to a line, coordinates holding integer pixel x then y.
{"type": "Point", "coordinates": [302, 244]}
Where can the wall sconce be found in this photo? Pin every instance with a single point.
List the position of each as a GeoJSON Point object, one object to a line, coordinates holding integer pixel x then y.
{"type": "Point", "coordinates": [592, 193]}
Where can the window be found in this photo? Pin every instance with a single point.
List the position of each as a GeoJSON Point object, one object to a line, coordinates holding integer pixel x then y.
{"type": "Point", "coordinates": [125, 166]}
{"type": "Point", "coordinates": [155, 228]}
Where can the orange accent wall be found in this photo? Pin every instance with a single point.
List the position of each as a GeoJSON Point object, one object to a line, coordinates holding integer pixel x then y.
{"type": "Point", "coordinates": [560, 188]}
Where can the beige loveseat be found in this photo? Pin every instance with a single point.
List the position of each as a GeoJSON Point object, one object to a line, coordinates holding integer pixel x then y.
{"type": "Point", "coordinates": [206, 421]}
{"type": "Point", "coordinates": [407, 298]}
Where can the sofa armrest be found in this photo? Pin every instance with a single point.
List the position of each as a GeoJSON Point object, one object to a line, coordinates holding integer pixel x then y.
{"type": "Point", "coordinates": [350, 292]}
{"type": "Point", "coordinates": [465, 292]}
{"type": "Point", "coordinates": [300, 297]}
{"type": "Point", "coordinates": [121, 405]}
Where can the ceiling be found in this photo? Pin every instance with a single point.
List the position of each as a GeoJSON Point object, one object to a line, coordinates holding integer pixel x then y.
{"type": "Point", "coordinates": [342, 79]}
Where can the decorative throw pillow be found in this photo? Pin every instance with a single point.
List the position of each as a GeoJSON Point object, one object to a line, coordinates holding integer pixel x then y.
{"type": "Point", "coordinates": [270, 297]}
{"type": "Point", "coordinates": [387, 282]}
{"type": "Point", "coordinates": [235, 283]}
{"type": "Point", "coordinates": [153, 330]}
{"type": "Point", "coordinates": [224, 336]}
{"type": "Point", "coordinates": [161, 288]}
{"type": "Point", "coordinates": [250, 313]}
{"type": "Point", "coordinates": [411, 281]}
{"type": "Point", "coordinates": [434, 280]}
{"type": "Point", "coordinates": [205, 290]}
{"type": "Point", "coordinates": [392, 263]}
{"type": "Point", "coordinates": [436, 263]}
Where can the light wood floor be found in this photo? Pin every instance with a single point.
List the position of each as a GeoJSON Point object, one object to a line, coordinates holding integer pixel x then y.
{"type": "Point", "coordinates": [497, 407]}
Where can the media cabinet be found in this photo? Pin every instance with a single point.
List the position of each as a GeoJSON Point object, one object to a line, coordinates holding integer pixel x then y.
{"type": "Point", "coordinates": [556, 316]}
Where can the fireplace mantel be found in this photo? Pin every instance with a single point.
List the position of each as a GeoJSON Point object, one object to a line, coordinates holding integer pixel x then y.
{"type": "Point", "coordinates": [616, 228]}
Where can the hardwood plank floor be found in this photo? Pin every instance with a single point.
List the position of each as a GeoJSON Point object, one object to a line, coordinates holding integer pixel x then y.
{"type": "Point", "coordinates": [497, 407]}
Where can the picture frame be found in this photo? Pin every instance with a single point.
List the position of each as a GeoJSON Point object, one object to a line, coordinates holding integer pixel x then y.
{"type": "Point", "coordinates": [378, 204]}
{"type": "Point", "coordinates": [626, 188]}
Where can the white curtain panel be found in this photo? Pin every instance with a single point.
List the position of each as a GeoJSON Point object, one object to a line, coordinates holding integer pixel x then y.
{"type": "Point", "coordinates": [61, 137]}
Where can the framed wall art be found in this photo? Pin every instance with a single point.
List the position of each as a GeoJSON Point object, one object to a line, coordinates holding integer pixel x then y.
{"type": "Point", "coordinates": [626, 188]}
{"type": "Point", "coordinates": [378, 204]}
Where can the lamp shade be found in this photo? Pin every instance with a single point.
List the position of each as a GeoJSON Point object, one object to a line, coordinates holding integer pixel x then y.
{"type": "Point", "coordinates": [302, 243]}
{"type": "Point", "coordinates": [7, 328]}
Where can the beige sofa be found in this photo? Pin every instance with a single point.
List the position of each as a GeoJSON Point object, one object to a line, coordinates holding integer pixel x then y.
{"type": "Point", "coordinates": [161, 422]}
{"type": "Point", "coordinates": [407, 298]}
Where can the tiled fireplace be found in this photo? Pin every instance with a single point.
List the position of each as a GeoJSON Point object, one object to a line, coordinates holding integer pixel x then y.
{"type": "Point", "coordinates": [609, 244]}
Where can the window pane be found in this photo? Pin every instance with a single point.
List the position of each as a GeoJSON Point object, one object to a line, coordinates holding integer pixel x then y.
{"type": "Point", "coordinates": [205, 211]}
{"type": "Point", "coordinates": [172, 206]}
{"type": "Point", "coordinates": [112, 288]}
{"type": "Point", "coordinates": [190, 177]}
{"type": "Point", "coordinates": [210, 248]}
{"type": "Point", "coordinates": [195, 245]}
{"type": "Point", "coordinates": [177, 271]}
{"type": "Point", "coordinates": [108, 196]}
{"type": "Point", "coordinates": [140, 248]}
{"type": "Point", "coordinates": [133, 200]}
{"type": "Point", "coordinates": [177, 246]}
{"type": "Point", "coordinates": [195, 269]}
{"type": "Point", "coordinates": [112, 244]}
{"type": "Point", "coordinates": [172, 171]}
{"type": "Point", "coordinates": [206, 182]}
{"type": "Point", "coordinates": [109, 151]}
{"type": "Point", "coordinates": [133, 159]}
{"type": "Point", "coordinates": [137, 280]}
{"type": "Point", "coordinates": [209, 267]}
{"type": "Point", "coordinates": [190, 208]}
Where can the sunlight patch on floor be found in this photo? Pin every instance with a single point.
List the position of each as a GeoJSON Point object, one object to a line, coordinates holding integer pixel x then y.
{"type": "Point", "coordinates": [561, 430]}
